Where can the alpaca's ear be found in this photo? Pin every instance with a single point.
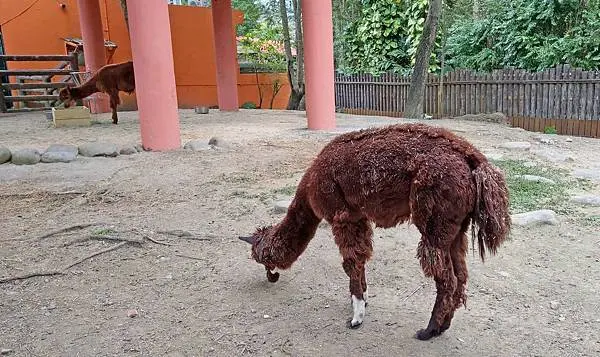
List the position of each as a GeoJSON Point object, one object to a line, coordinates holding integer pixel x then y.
{"type": "Point", "coordinates": [249, 239]}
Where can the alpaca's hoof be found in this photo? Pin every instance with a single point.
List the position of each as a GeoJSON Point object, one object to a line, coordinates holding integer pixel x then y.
{"type": "Point", "coordinates": [353, 324]}
{"type": "Point", "coordinates": [272, 277]}
{"type": "Point", "coordinates": [425, 334]}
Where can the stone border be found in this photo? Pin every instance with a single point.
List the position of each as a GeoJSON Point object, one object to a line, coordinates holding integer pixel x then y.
{"type": "Point", "coordinates": [67, 153]}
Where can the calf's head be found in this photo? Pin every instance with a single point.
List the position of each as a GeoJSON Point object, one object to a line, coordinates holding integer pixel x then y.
{"type": "Point", "coordinates": [263, 250]}
{"type": "Point", "coordinates": [65, 96]}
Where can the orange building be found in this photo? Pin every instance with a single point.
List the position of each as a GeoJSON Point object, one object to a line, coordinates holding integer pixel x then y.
{"type": "Point", "coordinates": [41, 27]}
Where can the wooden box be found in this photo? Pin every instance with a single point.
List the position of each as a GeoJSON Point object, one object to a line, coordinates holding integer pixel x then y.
{"type": "Point", "coordinates": [74, 116]}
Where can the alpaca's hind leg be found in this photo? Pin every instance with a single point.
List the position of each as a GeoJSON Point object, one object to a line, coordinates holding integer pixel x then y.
{"type": "Point", "coordinates": [458, 252]}
{"type": "Point", "coordinates": [354, 241]}
{"type": "Point", "coordinates": [442, 270]}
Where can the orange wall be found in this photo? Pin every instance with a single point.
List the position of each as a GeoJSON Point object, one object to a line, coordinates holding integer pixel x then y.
{"type": "Point", "coordinates": [39, 31]}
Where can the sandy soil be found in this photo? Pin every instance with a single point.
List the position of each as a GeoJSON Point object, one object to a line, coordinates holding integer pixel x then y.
{"type": "Point", "coordinates": [201, 295]}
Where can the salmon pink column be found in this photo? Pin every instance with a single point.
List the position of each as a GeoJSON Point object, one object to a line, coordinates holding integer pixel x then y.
{"type": "Point", "coordinates": [318, 62]}
{"type": "Point", "coordinates": [90, 21]}
{"type": "Point", "coordinates": [226, 55]}
{"type": "Point", "coordinates": [152, 52]}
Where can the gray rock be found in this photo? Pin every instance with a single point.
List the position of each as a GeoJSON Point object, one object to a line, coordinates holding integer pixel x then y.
{"type": "Point", "coordinates": [516, 145]}
{"type": "Point", "coordinates": [592, 174]}
{"type": "Point", "coordinates": [128, 150]}
{"type": "Point", "coordinates": [5, 351]}
{"type": "Point", "coordinates": [587, 200]}
{"type": "Point", "coordinates": [554, 305]}
{"type": "Point", "coordinates": [494, 156]}
{"type": "Point", "coordinates": [535, 178]}
{"type": "Point", "coordinates": [98, 149]}
{"type": "Point", "coordinates": [26, 157]}
{"type": "Point", "coordinates": [552, 155]}
{"type": "Point", "coordinates": [5, 154]}
{"type": "Point", "coordinates": [540, 217]}
{"type": "Point", "coordinates": [281, 206]}
{"type": "Point", "coordinates": [58, 156]}
{"type": "Point", "coordinates": [139, 147]}
{"type": "Point", "coordinates": [197, 145]}
{"type": "Point", "coordinates": [63, 148]}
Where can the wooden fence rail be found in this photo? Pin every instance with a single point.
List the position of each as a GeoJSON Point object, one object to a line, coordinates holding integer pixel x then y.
{"type": "Point", "coordinates": [36, 80]}
{"type": "Point", "coordinates": [563, 97]}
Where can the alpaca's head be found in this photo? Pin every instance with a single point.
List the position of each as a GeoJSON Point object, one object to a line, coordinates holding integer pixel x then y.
{"type": "Point", "coordinates": [65, 96]}
{"type": "Point", "coordinates": [263, 250]}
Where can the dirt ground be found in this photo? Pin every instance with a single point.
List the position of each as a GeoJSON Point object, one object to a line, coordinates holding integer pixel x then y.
{"type": "Point", "coordinates": [201, 295]}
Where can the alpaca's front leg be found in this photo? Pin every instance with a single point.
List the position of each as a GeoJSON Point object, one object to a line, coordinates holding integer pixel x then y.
{"type": "Point", "coordinates": [354, 242]}
{"type": "Point", "coordinates": [357, 296]}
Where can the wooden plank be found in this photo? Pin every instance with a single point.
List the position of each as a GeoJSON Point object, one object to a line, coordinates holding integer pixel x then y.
{"type": "Point", "coordinates": [30, 98]}
{"type": "Point", "coordinates": [27, 110]}
{"type": "Point", "coordinates": [35, 85]}
{"type": "Point", "coordinates": [583, 105]}
{"type": "Point", "coordinates": [569, 110]}
{"type": "Point", "coordinates": [545, 94]}
{"type": "Point", "coordinates": [33, 58]}
{"type": "Point", "coordinates": [34, 72]}
{"type": "Point", "coordinates": [595, 129]}
{"type": "Point", "coordinates": [552, 102]}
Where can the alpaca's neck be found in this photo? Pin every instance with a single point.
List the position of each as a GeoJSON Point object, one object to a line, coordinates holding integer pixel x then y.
{"type": "Point", "coordinates": [296, 230]}
{"type": "Point", "coordinates": [86, 89]}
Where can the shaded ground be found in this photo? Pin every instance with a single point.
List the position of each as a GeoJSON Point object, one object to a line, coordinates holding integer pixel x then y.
{"type": "Point", "coordinates": [201, 295]}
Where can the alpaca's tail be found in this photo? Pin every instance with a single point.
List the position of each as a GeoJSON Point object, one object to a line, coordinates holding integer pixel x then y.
{"type": "Point", "coordinates": [490, 220]}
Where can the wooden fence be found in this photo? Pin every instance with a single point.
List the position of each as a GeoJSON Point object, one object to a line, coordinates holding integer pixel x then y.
{"type": "Point", "coordinates": [563, 97]}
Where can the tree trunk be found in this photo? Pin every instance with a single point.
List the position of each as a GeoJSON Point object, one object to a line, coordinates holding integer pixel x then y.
{"type": "Point", "coordinates": [124, 7]}
{"type": "Point", "coordinates": [414, 100]}
{"type": "Point", "coordinates": [295, 75]}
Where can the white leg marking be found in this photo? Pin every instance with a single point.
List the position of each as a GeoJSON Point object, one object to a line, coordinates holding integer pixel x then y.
{"type": "Point", "coordinates": [358, 306]}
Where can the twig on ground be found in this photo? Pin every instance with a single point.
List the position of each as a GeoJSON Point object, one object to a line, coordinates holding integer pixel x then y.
{"type": "Point", "coordinates": [68, 229]}
{"type": "Point", "coordinates": [155, 241]}
{"type": "Point", "coordinates": [186, 235]}
{"type": "Point", "coordinates": [414, 292]}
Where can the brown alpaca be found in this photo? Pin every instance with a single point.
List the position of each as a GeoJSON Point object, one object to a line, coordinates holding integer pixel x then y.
{"type": "Point", "coordinates": [427, 175]}
{"type": "Point", "coordinates": [109, 79]}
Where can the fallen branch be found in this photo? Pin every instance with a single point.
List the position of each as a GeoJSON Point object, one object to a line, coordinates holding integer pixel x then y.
{"type": "Point", "coordinates": [103, 237]}
{"type": "Point", "coordinates": [63, 270]}
{"type": "Point", "coordinates": [68, 229]}
{"type": "Point", "coordinates": [30, 275]}
{"type": "Point", "coordinates": [114, 247]}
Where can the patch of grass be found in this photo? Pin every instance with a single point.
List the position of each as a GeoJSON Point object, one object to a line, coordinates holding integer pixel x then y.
{"type": "Point", "coordinates": [550, 130]}
{"type": "Point", "coordinates": [287, 190]}
{"type": "Point", "coordinates": [103, 231]}
{"type": "Point", "coordinates": [593, 221]}
{"type": "Point", "coordinates": [529, 195]}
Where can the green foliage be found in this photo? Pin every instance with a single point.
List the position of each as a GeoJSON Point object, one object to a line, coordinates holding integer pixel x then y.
{"type": "Point", "coordinates": [528, 34]}
{"type": "Point", "coordinates": [249, 105]}
{"type": "Point", "coordinates": [253, 11]}
{"type": "Point", "coordinates": [550, 130]}
{"type": "Point", "coordinates": [263, 48]}
{"type": "Point", "coordinates": [386, 37]}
